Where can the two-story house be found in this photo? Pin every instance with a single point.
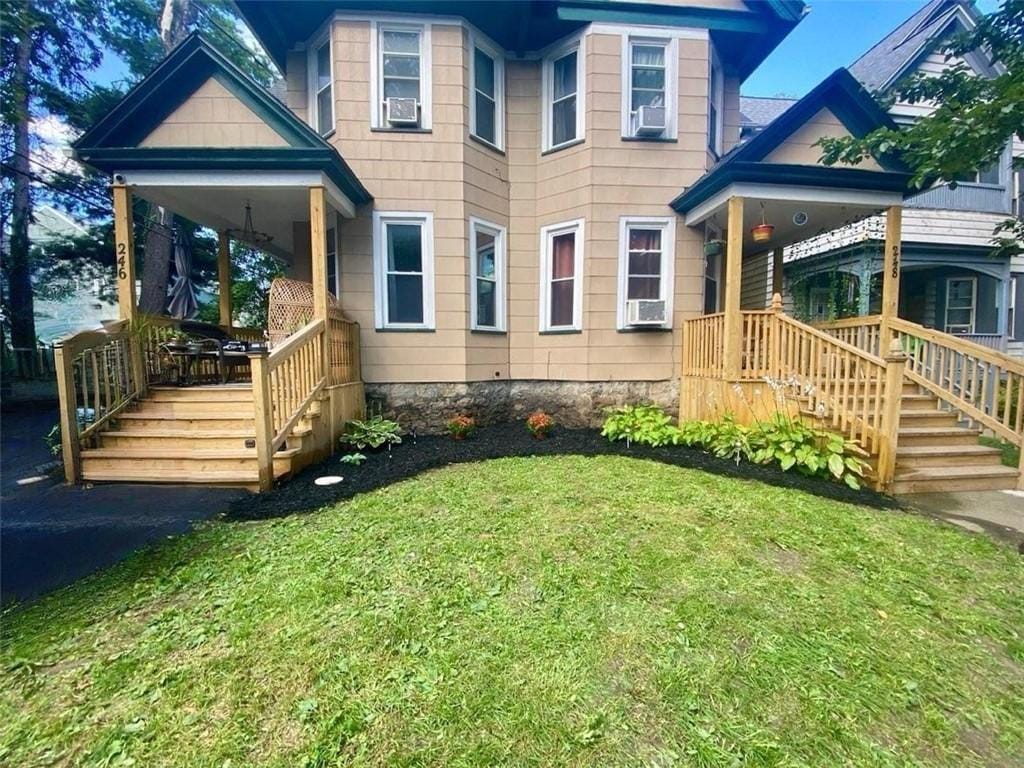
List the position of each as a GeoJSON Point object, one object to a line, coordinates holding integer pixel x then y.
{"type": "Point", "coordinates": [486, 208]}
{"type": "Point", "coordinates": [951, 281]}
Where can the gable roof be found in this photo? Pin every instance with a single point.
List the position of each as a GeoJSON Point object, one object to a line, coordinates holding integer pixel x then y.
{"type": "Point", "coordinates": [892, 56]}
{"type": "Point", "coordinates": [113, 141]}
{"type": "Point", "coordinates": [853, 106]}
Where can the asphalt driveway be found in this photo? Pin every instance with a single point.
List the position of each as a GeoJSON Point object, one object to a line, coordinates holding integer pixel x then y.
{"type": "Point", "coordinates": [52, 534]}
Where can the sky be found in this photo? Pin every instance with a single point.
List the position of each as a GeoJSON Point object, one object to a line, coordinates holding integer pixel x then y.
{"type": "Point", "coordinates": [834, 34]}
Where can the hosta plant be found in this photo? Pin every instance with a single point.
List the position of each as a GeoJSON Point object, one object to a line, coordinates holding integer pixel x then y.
{"type": "Point", "coordinates": [644, 424]}
{"type": "Point", "coordinates": [372, 433]}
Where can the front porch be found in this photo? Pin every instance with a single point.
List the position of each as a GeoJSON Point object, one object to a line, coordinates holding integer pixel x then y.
{"type": "Point", "coordinates": [249, 169]}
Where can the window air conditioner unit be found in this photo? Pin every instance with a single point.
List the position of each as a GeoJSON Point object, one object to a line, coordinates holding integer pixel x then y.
{"type": "Point", "coordinates": [645, 312]}
{"type": "Point", "coordinates": [650, 121]}
{"type": "Point", "coordinates": [401, 111]}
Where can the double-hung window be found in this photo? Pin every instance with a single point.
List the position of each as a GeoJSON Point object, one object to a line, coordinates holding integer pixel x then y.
{"type": "Point", "coordinates": [400, 76]}
{"type": "Point", "coordinates": [649, 103]}
{"type": "Point", "coordinates": [321, 80]}
{"type": "Point", "coordinates": [716, 102]}
{"type": "Point", "coordinates": [646, 256]}
{"type": "Point", "coordinates": [563, 97]}
{"type": "Point", "coordinates": [486, 105]}
{"type": "Point", "coordinates": [961, 301]}
{"type": "Point", "coordinates": [403, 270]}
{"type": "Point", "coordinates": [486, 275]}
{"type": "Point", "coordinates": [561, 278]}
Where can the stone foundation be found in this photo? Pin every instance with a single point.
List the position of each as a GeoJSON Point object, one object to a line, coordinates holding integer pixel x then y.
{"type": "Point", "coordinates": [428, 407]}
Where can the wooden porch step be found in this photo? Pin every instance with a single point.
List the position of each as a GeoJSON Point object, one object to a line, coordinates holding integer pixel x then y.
{"type": "Point", "coordinates": [948, 479]}
{"type": "Point", "coordinates": [172, 438]}
{"type": "Point", "coordinates": [922, 436]}
{"type": "Point", "coordinates": [217, 394]}
{"type": "Point", "coordinates": [923, 417]}
{"type": "Point", "coordinates": [197, 421]}
{"type": "Point", "coordinates": [915, 457]}
{"type": "Point", "coordinates": [223, 408]}
{"type": "Point", "coordinates": [248, 479]}
{"type": "Point", "coordinates": [184, 463]}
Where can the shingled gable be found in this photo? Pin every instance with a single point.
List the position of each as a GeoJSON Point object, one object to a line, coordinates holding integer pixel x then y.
{"type": "Point", "coordinates": [129, 136]}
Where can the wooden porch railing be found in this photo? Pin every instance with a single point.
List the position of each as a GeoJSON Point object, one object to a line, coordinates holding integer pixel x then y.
{"type": "Point", "coordinates": [99, 373]}
{"type": "Point", "coordinates": [980, 384]}
{"type": "Point", "coordinates": [861, 332]}
{"type": "Point", "coordinates": [841, 384]}
{"type": "Point", "coordinates": [155, 330]}
{"type": "Point", "coordinates": [343, 347]}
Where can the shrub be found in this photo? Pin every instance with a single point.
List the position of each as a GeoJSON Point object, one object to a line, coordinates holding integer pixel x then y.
{"type": "Point", "coordinates": [644, 424]}
{"type": "Point", "coordinates": [461, 426]}
{"type": "Point", "coordinates": [372, 433]}
{"type": "Point", "coordinates": [539, 424]}
{"type": "Point", "coordinates": [789, 442]}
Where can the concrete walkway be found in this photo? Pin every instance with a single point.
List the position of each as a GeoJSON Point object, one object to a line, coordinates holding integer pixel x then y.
{"type": "Point", "coordinates": [997, 513]}
{"type": "Point", "coordinates": [52, 534]}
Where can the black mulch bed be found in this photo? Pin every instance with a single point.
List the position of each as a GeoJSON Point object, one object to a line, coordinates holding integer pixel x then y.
{"type": "Point", "coordinates": [418, 454]}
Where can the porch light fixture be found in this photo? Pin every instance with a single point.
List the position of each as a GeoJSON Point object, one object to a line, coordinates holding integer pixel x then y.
{"type": "Point", "coordinates": [762, 232]}
{"type": "Point", "coordinates": [248, 233]}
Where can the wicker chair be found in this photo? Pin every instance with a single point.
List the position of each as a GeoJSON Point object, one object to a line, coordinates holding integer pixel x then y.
{"type": "Point", "coordinates": [291, 307]}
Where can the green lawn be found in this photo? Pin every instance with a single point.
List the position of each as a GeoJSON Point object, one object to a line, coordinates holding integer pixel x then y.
{"type": "Point", "coordinates": [559, 611]}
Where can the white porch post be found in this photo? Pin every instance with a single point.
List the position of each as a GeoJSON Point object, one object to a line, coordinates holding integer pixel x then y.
{"type": "Point", "coordinates": [224, 278]}
{"type": "Point", "coordinates": [733, 342]}
{"type": "Point", "coordinates": [891, 273]}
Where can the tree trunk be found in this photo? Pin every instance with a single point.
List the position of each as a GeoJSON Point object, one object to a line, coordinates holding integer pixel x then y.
{"type": "Point", "coordinates": [175, 20]}
{"type": "Point", "coordinates": [19, 270]}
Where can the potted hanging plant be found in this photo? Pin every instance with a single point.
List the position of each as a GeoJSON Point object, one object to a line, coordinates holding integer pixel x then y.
{"type": "Point", "coordinates": [714, 247]}
{"type": "Point", "coordinates": [762, 232]}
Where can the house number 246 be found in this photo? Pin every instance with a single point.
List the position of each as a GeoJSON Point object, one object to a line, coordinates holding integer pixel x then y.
{"type": "Point", "coordinates": [122, 255]}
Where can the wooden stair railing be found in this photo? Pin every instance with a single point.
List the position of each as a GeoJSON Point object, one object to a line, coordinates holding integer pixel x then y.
{"type": "Point", "coordinates": [285, 384]}
{"type": "Point", "coordinates": [981, 385]}
{"type": "Point", "coordinates": [99, 373]}
{"type": "Point", "coordinates": [845, 386]}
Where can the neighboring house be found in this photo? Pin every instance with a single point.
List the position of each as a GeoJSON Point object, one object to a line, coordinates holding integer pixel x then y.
{"type": "Point", "coordinates": [950, 279]}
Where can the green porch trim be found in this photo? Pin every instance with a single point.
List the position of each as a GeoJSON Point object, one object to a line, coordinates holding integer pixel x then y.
{"type": "Point", "coordinates": [113, 141]}
{"type": "Point", "coordinates": [328, 161]}
{"type": "Point", "coordinates": [783, 174]}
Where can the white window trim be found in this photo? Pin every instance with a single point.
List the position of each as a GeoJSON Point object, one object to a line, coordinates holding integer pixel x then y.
{"type": "Point", "coordinates": [311, 65]}
{"type": "Point", "coordinates": [380, 309]}
{"type": "Point", "coordinates": [547, 77]}
{"type": "Point", "coordinates": [668, 259]}
{"type": "Point", "coordinates": [500, 273]}
{"type": "Point", "coordinates": [377, 70]}
{"type": "Point", "coordinates": [498, 56]}
{"type": "Point", "coordinates": [547, 235]}
{"type": "Point", "coordinates": [671, 45]}
{"type": "Point", "coordinates": [974, 303]}
{"type": "Point", "coordinates": [716, 143]}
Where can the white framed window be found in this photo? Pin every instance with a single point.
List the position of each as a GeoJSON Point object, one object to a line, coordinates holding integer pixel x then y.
{"type": "Point", "coordinates": [563, 89]}
{"type": "Point", "coordinates": [961, 303]}
{"type": "Point", "coordinates": [716, 104]}
{"type": "Point", "coordinates": [403, 261]}
{"type": "Point", "coordinates": [487, 275]}
{"type": "Point", "coordinates": [400, 71]}
{"type": "Point", "coordinates": [1011, 311]}
{"type": "Point", "coordinates": [320, 66]}
{"type": "Point", "coordinates": [487, 93]}
{"type": "Point", "coordinates": [646, 263]}
{"type": "Point", "coordinates": [649, 86]}
{"type": "Point", "coordinates": [561, 277]}
{"type": "Point", "coordinates": [331, 255]}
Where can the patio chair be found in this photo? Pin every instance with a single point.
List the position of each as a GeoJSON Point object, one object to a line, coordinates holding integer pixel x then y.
{"type": "Point", "coordinates": [212, 344]}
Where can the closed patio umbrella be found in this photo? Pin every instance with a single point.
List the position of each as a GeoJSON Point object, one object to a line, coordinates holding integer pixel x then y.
{"type": "Point", "coordinates": [182, 303]}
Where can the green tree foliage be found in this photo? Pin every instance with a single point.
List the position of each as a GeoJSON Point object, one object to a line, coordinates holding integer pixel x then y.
{"type": "Point", "coordinates": [973, 118]}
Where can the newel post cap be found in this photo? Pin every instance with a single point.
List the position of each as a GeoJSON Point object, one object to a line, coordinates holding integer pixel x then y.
{"type": "Point", "coordinates": [895, 353]}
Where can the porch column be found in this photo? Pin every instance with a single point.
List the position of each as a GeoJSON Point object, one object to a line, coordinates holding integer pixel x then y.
{"type": "Point", "coordinates": [317, 245]}
{"type": "Point", "coordinates": [891, 273]}
{"type": "Point", "coordinates": [224, 277]}
{"type": "Point", "coordinates": [124, 252]}
{"type": "Point", "coordinates": [733, 343]}
{"type": "Point", "coordinates": [777, 272]}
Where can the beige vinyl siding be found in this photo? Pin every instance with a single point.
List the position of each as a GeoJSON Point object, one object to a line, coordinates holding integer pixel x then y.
{"type": "Point", "coordinates": [213, 117]}
{"type": "Point", "coordinates": [297, 84]}
{"type": "Point", "coordinates": [799, 148]}
{"type": "Point", "coordinates": [755, 282]}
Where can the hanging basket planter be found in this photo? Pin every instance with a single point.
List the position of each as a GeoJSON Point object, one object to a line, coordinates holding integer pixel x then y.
{"type": "Point", "coordinates": [762, 233]}
{"type": "Point", "coordinates": [713, 247]}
